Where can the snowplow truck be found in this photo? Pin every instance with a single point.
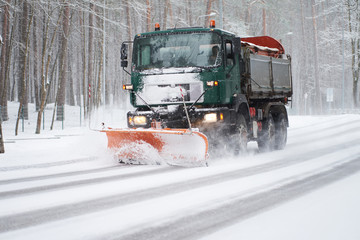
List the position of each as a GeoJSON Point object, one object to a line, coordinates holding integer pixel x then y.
{"type": "Point", "coordinates": [208, 84]}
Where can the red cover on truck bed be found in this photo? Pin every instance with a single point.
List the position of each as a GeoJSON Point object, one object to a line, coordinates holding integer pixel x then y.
{"type": "Point", "coordinates": [265, 41]}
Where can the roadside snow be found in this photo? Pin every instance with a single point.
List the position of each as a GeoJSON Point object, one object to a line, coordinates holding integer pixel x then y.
{"type": "Point", "coordinates": [331, 213]}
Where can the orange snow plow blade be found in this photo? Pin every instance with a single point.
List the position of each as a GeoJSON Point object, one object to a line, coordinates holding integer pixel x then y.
{"type": "Point", "coordinates": [157, 146]}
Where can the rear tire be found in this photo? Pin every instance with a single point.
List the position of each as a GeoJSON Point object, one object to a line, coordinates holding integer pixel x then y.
{"type": "Point", "coordinates": [280, 132]}
{"type": "Point", "coordinates": [266, 141]}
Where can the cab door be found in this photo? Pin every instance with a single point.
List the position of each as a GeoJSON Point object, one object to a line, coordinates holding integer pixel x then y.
{"type": "Point", "coordinates": [232, 78]}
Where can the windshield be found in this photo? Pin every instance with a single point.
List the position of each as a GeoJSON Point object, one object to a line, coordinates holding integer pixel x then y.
{"type": "Point", "coordinates": [177, 50]}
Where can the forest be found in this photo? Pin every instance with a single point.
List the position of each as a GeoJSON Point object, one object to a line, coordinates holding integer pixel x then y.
{"type": "Point", "coordinates": [67, 52]}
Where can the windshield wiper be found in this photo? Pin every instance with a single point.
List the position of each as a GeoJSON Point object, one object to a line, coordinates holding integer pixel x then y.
{"type": "Point", "coordinates": [206, 67]}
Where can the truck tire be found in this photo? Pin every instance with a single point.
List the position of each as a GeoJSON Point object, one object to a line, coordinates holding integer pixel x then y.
{"type": "Point", "coordinates": [266, 141]}
{"type": "Point", "coordinates": [280, 132]}
{"type": "Point", "coordinates": [240, 136]}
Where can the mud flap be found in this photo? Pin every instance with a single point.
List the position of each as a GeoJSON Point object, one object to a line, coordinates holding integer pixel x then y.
{"type": "Point", "coordinates": [158, 146]}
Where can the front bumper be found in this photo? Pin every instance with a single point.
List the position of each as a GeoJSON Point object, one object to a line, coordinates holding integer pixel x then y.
{"type": "Point", "coordinates": [202, 118]}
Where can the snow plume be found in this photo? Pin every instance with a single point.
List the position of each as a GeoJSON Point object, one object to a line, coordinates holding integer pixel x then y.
{"type": "Point", "coordinates": [139, 152]}
{"type": "Point", "coordinates": [144, 153]}
{"type": "Point", "coordinates": [110, 116]}
{"type": "Point", "coordinates": [220, 149]}
{"type": "Point", "coordinates": [93, 143]}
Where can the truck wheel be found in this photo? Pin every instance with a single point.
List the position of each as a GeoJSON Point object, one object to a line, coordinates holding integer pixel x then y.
{"type": "Point", "coordinates": [241, 135]}
{"type": "Point", "coordinates": [266, 141]}
{"type": "Point", "coordinates": [280, 132]}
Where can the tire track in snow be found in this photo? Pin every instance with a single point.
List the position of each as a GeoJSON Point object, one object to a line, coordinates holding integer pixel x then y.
{"type": "Point", "coordinates": [58, 175]}
{"type": "Point", "coordinates": [325, 122]}
{"type": "Point", "coordinates": [84, 182]}
{"type": "Point", "coordinates": [316, 131]}
{"type": "Point", "coordinates": [13, 222]}
{"type": "Point", "coordinates": [207, 221]}
{"type": "Point", "coordinates": [318, 138]}
{"type": "Point", "coordinates": [48, 164]}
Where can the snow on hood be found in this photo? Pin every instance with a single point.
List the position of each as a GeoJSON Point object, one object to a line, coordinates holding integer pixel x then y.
{"type": "Point", "coordinates": [170, 88]}
{"type": "Point", "coordinates": [170, 70]}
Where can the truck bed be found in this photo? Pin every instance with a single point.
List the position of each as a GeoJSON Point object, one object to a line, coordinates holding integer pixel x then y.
{"type": "Point", "coordinates": [269, 77]}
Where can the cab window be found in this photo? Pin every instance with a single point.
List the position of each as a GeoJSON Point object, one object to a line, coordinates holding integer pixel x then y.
{"type": "Point", "coordinates": [229, 53]}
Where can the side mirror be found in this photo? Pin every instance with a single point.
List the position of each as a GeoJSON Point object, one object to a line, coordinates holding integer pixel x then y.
{"type": "Point", "coordinates": [124, 51]}
{"type": "Point", "coordinates": [237, 44]}
{"type": "Point", "coordinates": [124, 55]}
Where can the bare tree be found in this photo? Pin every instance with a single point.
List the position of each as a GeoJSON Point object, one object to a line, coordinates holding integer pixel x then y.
{"type": "Point", "coordinates": [83, 45]}
{"type": "Point", "coordinates": [4, 63]}
{"type": "Point", "coordinates": [148, 15]}
{"type": "Point", "coordinates": [353, 11]}
{"type": "Point", "coordinates": [101, 46]}
{"type": "Point", "coordinates": [317, 103]}
{"type": "Point", "coordinates": [60, 113]}
{"type": "Point", "coordinates": [128, 20]}
{"type": "Point", "coordinates": [208, 11]}
{"type": "Point", "coordinates": [22, 80]}
{"type": "Point", "coordinates": [23, 101]}
{"type": "Point", "coordinates": [45, 64]}
{"type": "Point", "coordinates": [35, 68]}
{"type": "Point", "coordinates": [90, 53]}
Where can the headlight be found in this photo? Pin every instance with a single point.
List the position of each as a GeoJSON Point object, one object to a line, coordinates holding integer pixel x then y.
{"type": "Point", "coordinates": [210, 117]}
{"type": "Point", "coordinates": [139, 120]}
{"type": "Point", "coordinates": [212, 83]}
{"type": "Point", "coordinates": [128, 87]}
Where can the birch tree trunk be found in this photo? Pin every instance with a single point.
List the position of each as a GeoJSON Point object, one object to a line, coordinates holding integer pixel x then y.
{"type": "Point", "coordinates": [90, 54]}
{"type": "Point", "coordinates": [4, 63]}
{"type": "Point", "coordinates": [11, 92]}
{"type": "Point", "coordinates": [84, 88]}
{"type": "Point", "coordinates": [302, 104]}
{"type": "Point", "coordinates": [169, 9]}
{"type": "Point", "coordinates": [2, 147]}
{"type": "Point", "coordinates": [264, 21]}
{"type": "Point", "coordinates": [208, 10]}
{"type": "Point", "coordinates": [22, 83]}
{"type": "Point", "coordinates": [23, 101]}
{"type": "Point", "coordinates": [128, 21]}
{"type": "Point", "coordinates": [354, 30]}
{"type": "Point", "coordinates": [100, 69]}
{"type": "Point", "coordinates": [148, 15]}
{"type": "Point", "coordinates": [60, 113]}
{"type": "Point", "coordinates": [166, 9]}
{"type": "Point", "coordinates": [35, 70]}
{"type": "Point", "coordinates": [317, 102]}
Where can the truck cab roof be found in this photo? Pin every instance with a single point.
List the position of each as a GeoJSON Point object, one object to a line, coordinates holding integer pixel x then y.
{"type": "Point", "coordinates": [186, 30]}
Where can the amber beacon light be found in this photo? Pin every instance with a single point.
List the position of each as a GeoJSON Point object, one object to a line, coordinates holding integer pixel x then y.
{"type": "Point", "coordinates": [212, 23]}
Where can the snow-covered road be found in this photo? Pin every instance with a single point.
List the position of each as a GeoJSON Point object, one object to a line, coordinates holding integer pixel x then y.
{"type": "Point", "coordinates": [75, 190]}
